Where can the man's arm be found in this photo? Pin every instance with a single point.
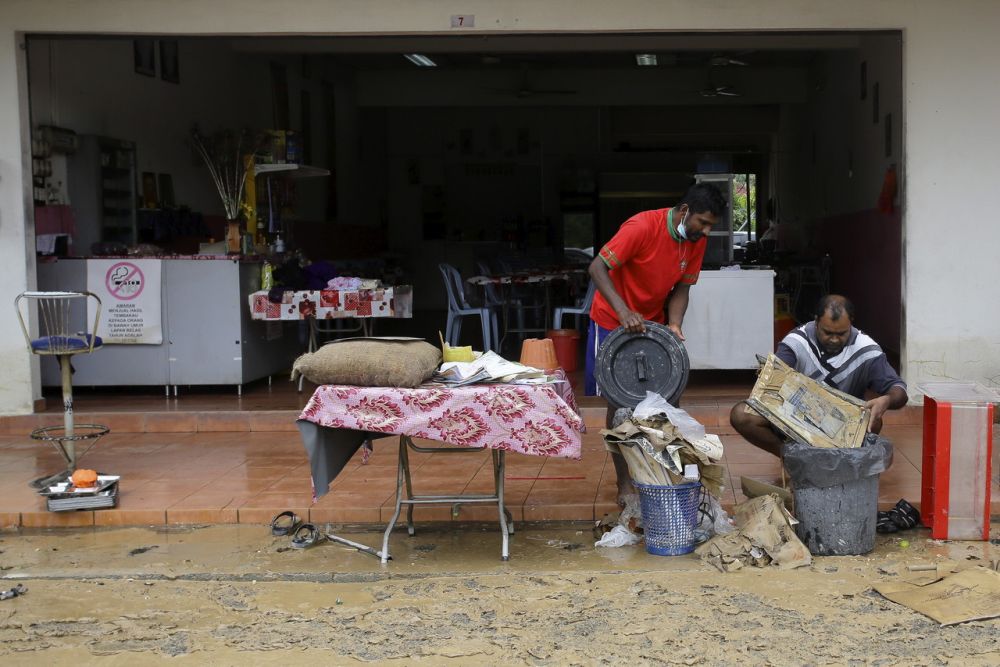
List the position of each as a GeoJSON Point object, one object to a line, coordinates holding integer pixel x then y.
{"type": "Point", "coordinates": [599, 273]}
{"type": "Point", "coordinates": [885, 381]}
{"type": "Point", "coordinates": [894, 399]}
{"type": "Point", "coordinates": [677, 304]}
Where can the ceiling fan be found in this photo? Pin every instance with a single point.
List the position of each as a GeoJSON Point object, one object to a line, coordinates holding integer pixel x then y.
{"type": "Point", "coordinates": [719, 91]}
{"type": "Point", "coordinates": [526, 90]}
{"type": "Point", "coordinates": [723, 60]}
{"type": "Point", "coordinates": [713, 89]}
{"type": "Point", "coordinates": [712, 59]}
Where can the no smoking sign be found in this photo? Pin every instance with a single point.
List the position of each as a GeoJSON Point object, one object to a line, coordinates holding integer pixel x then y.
{"type": "Point", "coordinates": [124, 281]}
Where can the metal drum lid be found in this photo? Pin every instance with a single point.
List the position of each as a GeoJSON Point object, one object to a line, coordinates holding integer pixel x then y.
{"type": "Point", "coordinates": [630, 364]}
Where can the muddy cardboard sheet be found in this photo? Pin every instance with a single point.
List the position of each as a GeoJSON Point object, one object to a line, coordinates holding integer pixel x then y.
{"type": "Point", "coordinates": [969, 595]}
{"type": "Point", "coordinates": [806, 410]}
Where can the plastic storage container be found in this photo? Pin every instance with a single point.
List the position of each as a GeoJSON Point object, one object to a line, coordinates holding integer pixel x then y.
{"type": "Point", "coordinates": [669, 517]}
{"type": "Point", "coordinates": [955, 475]}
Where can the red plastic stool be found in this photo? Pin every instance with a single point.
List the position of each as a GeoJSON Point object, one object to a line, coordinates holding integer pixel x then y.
{"type": "Point", "coordinates": [958, 444]}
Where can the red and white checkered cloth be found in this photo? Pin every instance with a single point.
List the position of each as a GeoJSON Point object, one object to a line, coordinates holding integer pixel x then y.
{"type": "Point", "coordinates": [333, 304]}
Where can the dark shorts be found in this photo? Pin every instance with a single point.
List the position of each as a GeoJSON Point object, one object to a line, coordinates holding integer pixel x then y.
{"type": "Point", "coordinates": [595, 338]}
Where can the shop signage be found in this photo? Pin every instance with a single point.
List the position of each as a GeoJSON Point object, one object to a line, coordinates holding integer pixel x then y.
{"type": "Point", "coordinates": [130, 300]}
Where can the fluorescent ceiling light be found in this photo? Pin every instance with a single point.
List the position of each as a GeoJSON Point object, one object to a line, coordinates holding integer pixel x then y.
{"type": "Point", "coordinates": [419, 60]}
{"type": "Point", "coordinates": [645, 59]}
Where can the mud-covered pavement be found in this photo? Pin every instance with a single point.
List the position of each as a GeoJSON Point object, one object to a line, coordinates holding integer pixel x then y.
{"type": "Point", "coordinates": [235, 595]}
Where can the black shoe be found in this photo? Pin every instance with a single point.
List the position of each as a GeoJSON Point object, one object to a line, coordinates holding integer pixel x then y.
{"type": "Point", "coordinates": [905, 515]}
{"type": "Point", "coordinates": [885, 524]}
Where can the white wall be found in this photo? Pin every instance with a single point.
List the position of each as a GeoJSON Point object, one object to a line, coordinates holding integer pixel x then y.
{"type": "Point", "coordinates": [90, 87]}
{"type": "Point", "coordinates": [846, 174]}
{"type": "Point", "coordinates": [949, 55]}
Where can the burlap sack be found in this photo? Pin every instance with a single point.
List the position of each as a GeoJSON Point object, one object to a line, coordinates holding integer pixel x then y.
{"type": "Point", "coordinates": [370, 363]}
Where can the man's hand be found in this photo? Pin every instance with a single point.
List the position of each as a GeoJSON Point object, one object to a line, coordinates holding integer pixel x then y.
{"type": "Point", "coordinates": [632, 321]}
{"type": "Point", "coordinates": [878, 406]}
{"type": "Point", "coordinates": [676, 328]}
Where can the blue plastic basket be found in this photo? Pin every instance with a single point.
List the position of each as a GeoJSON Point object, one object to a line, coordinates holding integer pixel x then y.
{"type": "Point", "coordinates": [669, 517]}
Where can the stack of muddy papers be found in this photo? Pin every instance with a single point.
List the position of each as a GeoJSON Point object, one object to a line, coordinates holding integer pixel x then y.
{"type": "Point", "coordinates": [658, 441]}
{"type": "Point", "coordinates": [808, 411]}
{"type": "Point", "coordinates": [764, 536]}
{"type": "Point", "coordinates": [63, 497]}
{"type": "Point", "coordinates": [490, 367]}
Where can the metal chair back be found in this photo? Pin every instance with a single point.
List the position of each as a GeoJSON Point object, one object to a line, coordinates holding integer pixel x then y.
{"type": "Point", "coordinates": [59, 320]}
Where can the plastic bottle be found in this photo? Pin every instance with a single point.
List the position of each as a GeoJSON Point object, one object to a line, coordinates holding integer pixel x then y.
{"type": "Point", "coordinates": [267, 277]}
{"type": "Point", "coordinates": [279, 244]}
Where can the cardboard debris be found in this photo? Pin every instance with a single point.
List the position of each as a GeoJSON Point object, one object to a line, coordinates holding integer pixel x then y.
{"type": "Point", "coordinates": [656, 453]}
{"type": "Point", "coordinates": [970, 595]}
{"type": "Point", "coordinates": [930, 573]}
{"type": "Point", "coordinates": [764, 535]}
{"type": "Point", "coordinates": [806, 410]}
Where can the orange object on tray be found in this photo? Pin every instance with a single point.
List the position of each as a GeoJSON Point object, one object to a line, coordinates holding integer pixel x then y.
{"type": "Point", "coordinates": [83, 478]}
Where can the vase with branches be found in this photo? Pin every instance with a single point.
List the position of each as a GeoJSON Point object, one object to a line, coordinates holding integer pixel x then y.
{"type": "Point", "coordinates": [229, 156]}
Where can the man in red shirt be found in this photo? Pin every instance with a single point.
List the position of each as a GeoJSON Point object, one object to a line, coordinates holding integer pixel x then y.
{"type": "Point", "coordinates": [645, 273]}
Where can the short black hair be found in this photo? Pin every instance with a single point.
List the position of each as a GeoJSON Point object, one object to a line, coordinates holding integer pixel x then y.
{"type": "Point", "coordinates": [836, 305]}
{"type": "Point", "coordinates": [704, 198]}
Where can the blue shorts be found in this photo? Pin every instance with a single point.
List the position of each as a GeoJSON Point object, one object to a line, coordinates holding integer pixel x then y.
{"type": "Point", "coordinates": [595, 338]}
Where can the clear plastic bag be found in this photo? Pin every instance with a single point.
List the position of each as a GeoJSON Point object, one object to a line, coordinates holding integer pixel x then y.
{"type": "Point", "coordinates": [619, 536]}
{"type": "Point", "coordinates": [655, 405]}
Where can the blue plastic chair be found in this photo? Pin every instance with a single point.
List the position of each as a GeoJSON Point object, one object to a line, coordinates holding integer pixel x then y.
{"type": "Point", "coordinates": [582, 309]}
{"type": "Point", "coordinates": [494, 299]}
{"type": "Point", "coordinates": [458, 308]}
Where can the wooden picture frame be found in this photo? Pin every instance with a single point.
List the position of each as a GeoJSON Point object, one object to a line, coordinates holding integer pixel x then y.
{"type": "Point", "coordinates": [169, 66]}
{"type": "Point", "coordinates": [149, 194]}
{"type": "Point", "coordinates": [875, 108]}
{"type": "Point", "coordinates": [144, 54]}
{"type": "Point", "coordinates": [165, 188]}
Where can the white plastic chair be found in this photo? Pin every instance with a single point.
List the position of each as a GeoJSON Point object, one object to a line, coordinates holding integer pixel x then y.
{"type": "Point", "coordinates": [458, 308]}
{"type": "Point", "coordinates": [582, 309]}
{"type": "Point", "coordinates": [59, 317]}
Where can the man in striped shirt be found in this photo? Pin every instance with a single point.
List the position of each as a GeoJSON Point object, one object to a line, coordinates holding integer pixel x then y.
{"type": "Point", "coordinates": [830, 350]}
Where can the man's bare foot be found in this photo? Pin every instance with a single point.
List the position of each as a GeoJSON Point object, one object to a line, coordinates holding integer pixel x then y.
{"type": "Point", "coordinates": [625, 489]}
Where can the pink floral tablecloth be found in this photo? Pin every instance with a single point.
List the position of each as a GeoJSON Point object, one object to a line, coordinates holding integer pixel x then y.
{"type": "Point", "coordinates": [528, 419]}
{"type": "Point", "coordinates": [333, 304]}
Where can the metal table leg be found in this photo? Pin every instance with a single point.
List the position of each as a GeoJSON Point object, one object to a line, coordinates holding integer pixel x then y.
{"type": "Point", "coordinates": [399, 499]}
{"type": "Point", "coordinates": [404, 482]}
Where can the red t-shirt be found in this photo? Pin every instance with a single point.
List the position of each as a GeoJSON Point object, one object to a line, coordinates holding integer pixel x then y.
{"type": "Point", "coordinates": [646, 258]}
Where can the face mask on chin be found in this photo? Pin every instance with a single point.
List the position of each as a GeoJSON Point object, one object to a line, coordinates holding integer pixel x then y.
{"type": "Point", "coordinates": [681, 230]}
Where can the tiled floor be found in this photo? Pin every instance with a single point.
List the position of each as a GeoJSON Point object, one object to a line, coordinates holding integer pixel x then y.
{"type": "Point", "coordinates": [219, 458]}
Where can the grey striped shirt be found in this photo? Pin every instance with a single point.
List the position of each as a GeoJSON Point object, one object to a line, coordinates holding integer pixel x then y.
{"type": "Point", "coordinates": [859, 366]}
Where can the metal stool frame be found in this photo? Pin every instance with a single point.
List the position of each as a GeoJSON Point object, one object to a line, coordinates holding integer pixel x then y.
{"type": "Point", "coordinates": [54, 320]}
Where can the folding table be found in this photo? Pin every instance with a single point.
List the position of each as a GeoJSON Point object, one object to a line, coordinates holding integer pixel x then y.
{"type": "Point", "coordinates": [538, 420]}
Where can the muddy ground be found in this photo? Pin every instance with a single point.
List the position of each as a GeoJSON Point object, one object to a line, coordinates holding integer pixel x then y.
{"type": "Point", "coordinates": [234, 595]}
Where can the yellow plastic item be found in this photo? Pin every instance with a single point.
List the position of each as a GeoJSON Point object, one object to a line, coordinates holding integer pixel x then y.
{"type": "Point", "coordinates": [449, 353]}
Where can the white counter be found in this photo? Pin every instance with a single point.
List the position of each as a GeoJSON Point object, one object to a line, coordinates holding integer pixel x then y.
{"type": "Point", "coordinates": [730, 319]}
{"type": "Point", "coordinates": [208, 336]}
